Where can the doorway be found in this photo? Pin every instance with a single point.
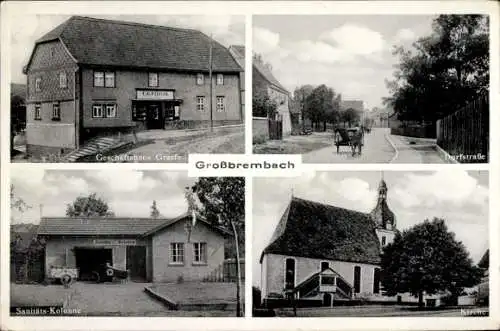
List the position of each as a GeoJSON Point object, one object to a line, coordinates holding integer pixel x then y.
{"type": "Point", "coordinates": [154, 119]}
{"type": "Point", "coordinates": [136, 263]}
{"type": "Point", "coordinates": [327, 300]}
{"type": "Point", "coordinates": [92, 260]}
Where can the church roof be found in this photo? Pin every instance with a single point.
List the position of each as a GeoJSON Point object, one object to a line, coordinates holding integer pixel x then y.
{"type": "Point", "coordinates": [315, 230]}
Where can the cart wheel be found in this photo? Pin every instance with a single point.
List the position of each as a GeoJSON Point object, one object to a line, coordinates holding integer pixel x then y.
{"type": "Point", "coordinates": [95, 277]}
{"type": "Point", "coordinates": [110, 272]}
{"type": "Point", "coordinates": [66, 280]}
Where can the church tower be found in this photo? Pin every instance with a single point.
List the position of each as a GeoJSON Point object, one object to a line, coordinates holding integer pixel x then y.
{"type": "Point", "coordinates": [383, 217]}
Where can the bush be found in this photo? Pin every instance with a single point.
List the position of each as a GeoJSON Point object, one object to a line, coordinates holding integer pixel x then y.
{"type": "Point", "coordinates": [259, 140]}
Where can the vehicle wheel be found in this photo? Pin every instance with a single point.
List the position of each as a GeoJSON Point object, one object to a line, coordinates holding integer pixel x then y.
{"type": "Point", "coordinates": [66, 280]}
{"type": "Point", "coordinates": [95, 277]}
{"type": "Point", "coordinates": [110, 272]}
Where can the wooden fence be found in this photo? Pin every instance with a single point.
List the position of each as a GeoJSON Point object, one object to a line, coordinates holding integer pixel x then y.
{"type": "Point", "coordinates": [227, 272]}
{"type": "Point", "coordinates": [275, 128]}
{"type": "Point", "coordinates": [464, 135]}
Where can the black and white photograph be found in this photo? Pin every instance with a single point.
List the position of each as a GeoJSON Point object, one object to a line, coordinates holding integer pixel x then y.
{"type": "Point", "coordinates": [372, 88]}
{"type": "Point", "coordinates": [126, 88]}
{"type": "Point", "coordinates": [88, 243]}
{"type": "Point", "coordinates": [354, 244]}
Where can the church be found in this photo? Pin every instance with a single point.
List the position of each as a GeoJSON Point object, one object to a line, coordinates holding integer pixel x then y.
{"type": "Point", "coordinates": [321, 253]}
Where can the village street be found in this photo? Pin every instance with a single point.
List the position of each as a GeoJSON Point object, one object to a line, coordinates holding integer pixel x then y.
{"type": "Point", "coordinates": [379, 147]}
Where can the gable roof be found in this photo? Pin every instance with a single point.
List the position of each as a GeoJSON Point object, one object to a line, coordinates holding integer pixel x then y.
{"type": "Point", "coordinates": [315, 230]}
{"type": "Point", "coordinates": [199, 219]}
{"type": "Point", "coordinates": [485, 260]}
{"type": "Point", "coordinates": [238, 53]}
{"type": "Point", "coordinates": [267, 74]}
{"type": "Point", "coordinates": [95, 41]}
{"type": "Point", "coordinates": [97, 225]}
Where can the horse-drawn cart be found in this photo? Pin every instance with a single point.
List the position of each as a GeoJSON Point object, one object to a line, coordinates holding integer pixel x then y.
{"type": "Point", "coordinates": [352, 137]}
{"type": "Point", "coordinates": [64, 275]}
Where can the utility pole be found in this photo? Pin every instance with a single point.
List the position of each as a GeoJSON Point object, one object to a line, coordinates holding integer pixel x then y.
{"type": "Point", "coordinates": [210, 79]}
{"type": "Point", "coordinates": [238, 284]}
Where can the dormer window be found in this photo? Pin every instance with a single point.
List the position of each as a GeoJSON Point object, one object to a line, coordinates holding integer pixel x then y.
{"type": "Point", "coordinates": [63, 80]}
{"type": "Point", "coordinates": [38, 84]}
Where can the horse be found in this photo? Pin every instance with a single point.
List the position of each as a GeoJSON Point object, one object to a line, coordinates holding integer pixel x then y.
{"type": "Point", "coordinates": [356, 141]}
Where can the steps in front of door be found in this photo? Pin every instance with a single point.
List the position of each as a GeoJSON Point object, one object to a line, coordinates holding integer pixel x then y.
{"type": "Point", "coordinates": [95, 146]}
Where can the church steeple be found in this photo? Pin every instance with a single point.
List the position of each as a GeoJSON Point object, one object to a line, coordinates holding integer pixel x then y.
{"type": "Point", "coordinates": [382, 215]}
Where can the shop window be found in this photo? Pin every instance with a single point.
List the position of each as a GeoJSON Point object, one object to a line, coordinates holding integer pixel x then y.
{"type": "Point", "coordinates": [63, 80]}
{"type": "Point", "coordinates": [153, 79]}
{"type": "Point", "coordinates": [221, 104]}
{"type": "Point", "coordinates": [200, 103]}
{"type": "Point", "coordinates": [104, 79]}
{"type": "Point", "coordinates": [56, 112]}
{"type": "Point", "coordinates": [139, 112]}
{"type": "Point", "coordinates": [38, 109]}
{"type": "Point", "coordinates": [200, 79]}
{"type": "Point", "coordinates": [220, 79]}
{"type": "Point", "coordinates": [97, 111]}
{"type": "Point", "coordinates": [200, 253]}
{"type": "Point", "coordinates": [177, 253]}
{"type": "Point", "coordinates": [38, 84]}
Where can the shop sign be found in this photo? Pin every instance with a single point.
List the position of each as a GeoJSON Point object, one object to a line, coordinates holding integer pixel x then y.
{"type": "Point", "coordinates": [115, 242]}
{"type": "Point", "coordinates": [155, 95]}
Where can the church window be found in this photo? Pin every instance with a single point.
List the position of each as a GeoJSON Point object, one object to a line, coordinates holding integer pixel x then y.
{"type": "Point", "coordinates": [376, 281]}
{"type": "Point", "coordinates": [383, 240]}
{"type": "Point", "coordinates": [357, 279]}
{"type": "Point", "coordinates": [289, 273]}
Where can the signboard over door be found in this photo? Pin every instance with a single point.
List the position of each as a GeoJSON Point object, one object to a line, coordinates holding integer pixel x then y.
{"type": "Point", "coordinates": [115, 242]}
{"type": "Point", "coordinates": [155, 95]}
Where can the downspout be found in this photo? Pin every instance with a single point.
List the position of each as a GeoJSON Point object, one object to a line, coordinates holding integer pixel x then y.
{"type": "Point", "coordinates": [76, 110]}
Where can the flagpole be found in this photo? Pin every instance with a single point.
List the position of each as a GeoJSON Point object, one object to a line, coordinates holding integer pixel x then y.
{"type": "Point", "coordinates": [210, 79]}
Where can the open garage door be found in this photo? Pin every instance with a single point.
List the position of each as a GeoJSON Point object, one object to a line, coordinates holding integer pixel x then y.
{"type": "Point", "coordinates": [91, 260]}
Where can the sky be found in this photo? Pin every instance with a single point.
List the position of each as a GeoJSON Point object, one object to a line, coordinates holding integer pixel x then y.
{"type": "Point", "coordinates": [129, 193]}
{"type": "Point", "coordinates": [350, 53]}
{"type": "Point", "coordinates": [26, 29]}
{"type": "Point", "coordinates": [459, 197]}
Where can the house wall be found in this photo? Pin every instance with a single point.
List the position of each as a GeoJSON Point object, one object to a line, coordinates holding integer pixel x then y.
{"type": "Point", "coordinates": [59, 251]}
{"type": "Point", "coordinates": [46, 135]}
{"type": "Point", "coordinates": [274, 277]}
{"type": "Point", "coordinates": [282, 100]}
{"type": "Point", "coordinates": [164, 271]}
{"type": "Point", "coordinates": [184, 84]}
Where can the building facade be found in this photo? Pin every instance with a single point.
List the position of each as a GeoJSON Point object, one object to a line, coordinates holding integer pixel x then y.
{"type": "Point", "coordinates": [238, 52]}
{"type": "Point", "coordinates": [153, 250]}
{"type": "Point", "coordinates": [264, 82]}
{"type": "Point", "coordinates": [322, 252]}
{"type": "Point", "coordinates": [81, 85]}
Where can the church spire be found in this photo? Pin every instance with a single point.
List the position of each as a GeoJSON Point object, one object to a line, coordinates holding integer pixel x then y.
{"type": "Point", "coordinates": [382, 215]}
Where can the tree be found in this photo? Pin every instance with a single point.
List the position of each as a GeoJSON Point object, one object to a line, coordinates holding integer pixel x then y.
{"type": "Point", "coordinates": [16, 203]}
{"type": "Point", "coordinates": [300, 96]}
{"type": "Point", "coordinates": [350, 116]}
{"type": "Point", "coordinates": [321, 106]}
{"type": "Point", "coordinates": [223, 201]}
{"type": "Point", "coordinates": [88, 206]}
{"type": "Point", "coordinates": [263, 106]}
{"type": "Point", "coordinates": [155, 213]}
{"type": "Point", "coordinates": [442, 71]}
{"type": "Point", "coordinates": [427, 259]}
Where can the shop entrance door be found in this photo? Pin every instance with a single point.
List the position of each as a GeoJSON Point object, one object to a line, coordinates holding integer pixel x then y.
{"type": "Point", "coordinates": [154, 116]}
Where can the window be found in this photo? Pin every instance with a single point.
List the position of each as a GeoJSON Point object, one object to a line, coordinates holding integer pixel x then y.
{"type": "Point", "coordinates": [200, 103]}
{"type": "Point", "coordinates": [220, 79]}
{"type": "Point", "coordinates": [63, 80]}
{"type": "Point", "coordinates": [38, 84]}
{"type": "Point", "coordinates": [109, 79]}
{"type": "Point", "coordinates": [357, 279]}
{"type": "Point", "coordinates": [106, 110]}
{"type": "Point", "coordinates": [153, 79]}
{"type": "Point", "coordinates": [177, 253]}
{"type": "Point", "coordinates": [289, 273]}
{"type": "Point", "coordinates": [111, 110]}
{"type": "Point", "coordinates": [97, 111]}
{"type": "Point", "coordinates": [200, 79]}
{"type": "Point", "coordinates": [324, 266]}
{"type": "Point", "coordinates": [56, 112]}
{"type": "Point", "coordinates": [200, 253]}
{"type": "Point", "coordinates": [104, 79]}
{"type": "Point", "coordinates": [221, 104]}
{"type": "Point", "coordinates": [383, 240]}
{"type": "Point", "coordinates": [376, 280]}
{"type": "Point", "coordinates": [38, 115]}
